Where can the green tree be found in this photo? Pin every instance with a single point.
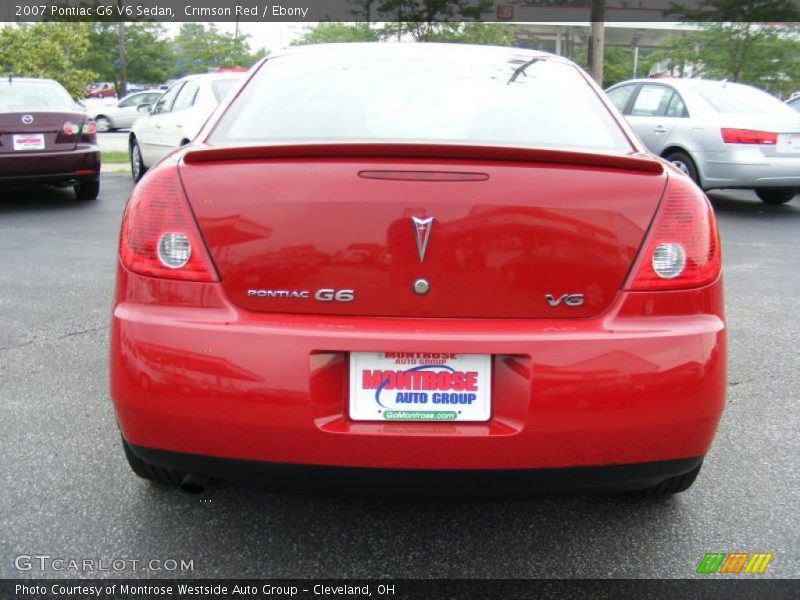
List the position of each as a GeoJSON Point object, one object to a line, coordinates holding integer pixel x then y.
{"type": "Point", "coordinates": [618, 62]}
{"type": "Point", "coordinates": [731, 11]}
{"type": "Point", "coordinates": [465, 33]}
{"type": "Point", "coordinates": [741, 40]}
{"type": "Point", "coordinates": [48, 50]}
{"type": "Point", "coordinates": [426, 20]}
{"type": "Point", "coordinates": [362, 10]}
{"type": "Point", "coordinates": [199, 48]}
{"type": "Point", "coordinates": [338, 32]}
{"type": "Point", "coordinates": [149, 55]}
{"type": "Point", "coordinates": [474, 33]}
{"type": "Point", "coordinates": [759, 54]}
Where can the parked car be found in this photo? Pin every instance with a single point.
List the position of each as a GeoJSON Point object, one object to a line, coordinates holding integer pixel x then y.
{"type": "Point", "coordinates": [167, 84]}
{"type": "Point", "coordinates": [122, 114]}
{"type": "Point", "coordinates": [420, 366]}
{"type": "Point", "coordinates": [100, 90]}
{"type": "Point", "coordinates": [721, 134]}
{"type": "Point", "coordinates": [794, 103]}
{"type": "Point", "coordinates": [176, 117]}
{"type": "Point", "coordinates": [133, 88]}
{"type": "Point", "coordinates": [46, 138]}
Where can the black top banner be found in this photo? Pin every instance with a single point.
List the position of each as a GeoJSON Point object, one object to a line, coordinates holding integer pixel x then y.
{"type": "Point", "coordinates": [310, 11]}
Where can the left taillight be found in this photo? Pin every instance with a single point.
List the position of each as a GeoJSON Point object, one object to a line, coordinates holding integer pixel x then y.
{"type": "Point", "coordinates": [159, 236]}
{"type": "Point", "coordinates": [87, 130]}
{"type": "Point", "coordinates": [69, 128]}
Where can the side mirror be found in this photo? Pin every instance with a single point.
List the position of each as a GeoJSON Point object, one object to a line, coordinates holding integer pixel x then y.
{"type": "Point", "coordinates": [144, 108]}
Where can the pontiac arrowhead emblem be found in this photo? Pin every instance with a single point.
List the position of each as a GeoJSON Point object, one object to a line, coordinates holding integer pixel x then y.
{"type": "Point", "coordinates": [422, 231]}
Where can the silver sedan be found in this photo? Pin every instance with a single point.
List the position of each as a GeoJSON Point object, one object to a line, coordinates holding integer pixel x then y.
{"type": "Point", "coordinates": [122, 113]}
{"type": "Point", "coordinates": [721, 134]}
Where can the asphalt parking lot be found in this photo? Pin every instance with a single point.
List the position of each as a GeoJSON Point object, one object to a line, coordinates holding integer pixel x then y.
{"type": "Point", "coordinates": [67, 491]}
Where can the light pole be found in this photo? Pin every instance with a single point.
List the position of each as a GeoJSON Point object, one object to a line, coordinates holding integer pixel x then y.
{"type": "Point", "coordinates": [123, 67]}
{"type": "Point", "coordinates": [597, 39]}
{"type": "Point", "coordinates": [236, 31]}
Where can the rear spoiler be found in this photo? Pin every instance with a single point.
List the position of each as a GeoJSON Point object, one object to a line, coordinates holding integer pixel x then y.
{"type": "Point", "coordinates": [627, 162]}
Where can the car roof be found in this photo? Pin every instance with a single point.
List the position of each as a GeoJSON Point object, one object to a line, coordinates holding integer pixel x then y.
{"type": "Point", "coordinates": [27, 80]}
{"type": "Point", "coordinates": [680, 82]}
{"type": "Point", "coordinates": [213, 76]}
{"type": "Point", "coordinates": [412, 49]}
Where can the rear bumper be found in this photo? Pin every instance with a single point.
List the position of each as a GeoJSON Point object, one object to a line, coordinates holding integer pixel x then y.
{"type": "Point", "coordinates": [747, 167]}
{"type": "Point", "coordinates": [424, 482]}
{"type": "Point", "coordinates": [216, 381]}
{"type": "Point", "coordinates": [81, 164]}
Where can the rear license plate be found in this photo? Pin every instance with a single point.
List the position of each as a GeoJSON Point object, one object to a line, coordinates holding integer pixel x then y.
{"type": "Point", "coordinates": [789, 142]}
{"type": "Point", "coordinates": [29, 141]}
{"type": "Point", "coordinates": [409, 386]}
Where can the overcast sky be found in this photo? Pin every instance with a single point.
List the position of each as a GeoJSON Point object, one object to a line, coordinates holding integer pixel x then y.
{"type": "Point", "coordinates": [270, 36]}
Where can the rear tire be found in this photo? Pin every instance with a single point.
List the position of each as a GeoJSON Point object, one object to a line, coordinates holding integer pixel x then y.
{"type": "Point", "coordinates": [776, 195]}
{"type": "Point", "coordinates": [137, 164]}
{"type": "Point", "coordinates": [87, 190]}
{"type": "Point", "coordinates": [103, 124]}
{"type": "Point", "coordinates": [685, 163]}
{"type": "Point", "coordinates": [672, 485]}
{"type": "Point", "coordinates": [151, 472]}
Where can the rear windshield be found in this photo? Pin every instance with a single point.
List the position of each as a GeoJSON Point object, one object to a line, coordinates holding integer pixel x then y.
{"type": "Point", "coordinates": [484, 98]}
{"type": "Point", "coordinates": [26, 95]}
{"type": "Point", "coordinates": [735, 98]}
{"type": "Point", "coordinates": [223, 87]}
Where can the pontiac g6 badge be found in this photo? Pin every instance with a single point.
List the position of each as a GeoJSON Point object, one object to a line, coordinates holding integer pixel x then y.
{"type": "Point", "coordinates": [321, 295]}
{"type": "Point", "coordinates": [422, 231]}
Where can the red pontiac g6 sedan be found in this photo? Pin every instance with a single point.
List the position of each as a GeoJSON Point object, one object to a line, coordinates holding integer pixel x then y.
{"type": "Point", "coordinates": [493, 287]}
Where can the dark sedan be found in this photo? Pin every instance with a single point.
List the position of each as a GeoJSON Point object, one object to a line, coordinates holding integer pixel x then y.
{"type": "Point", "coordinates": [46, 138]}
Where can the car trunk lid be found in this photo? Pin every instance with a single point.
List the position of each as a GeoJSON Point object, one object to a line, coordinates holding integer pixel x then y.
{"type": "Point", "coordinates": [22, 132]}
{"type": "Point", "coordinates": [350, 229]}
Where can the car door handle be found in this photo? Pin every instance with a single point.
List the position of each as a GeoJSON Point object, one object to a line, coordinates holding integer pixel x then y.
{"type": "Point", "coordinates": [660, 129]}
{"type": "Point", "coordinates": [179, 126]}
{"type": "Point", "coordinates": [157, 126]}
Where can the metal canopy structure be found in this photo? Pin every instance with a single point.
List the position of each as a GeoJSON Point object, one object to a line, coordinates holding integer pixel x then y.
{"type": "Point", "coordinates": [561, 38]}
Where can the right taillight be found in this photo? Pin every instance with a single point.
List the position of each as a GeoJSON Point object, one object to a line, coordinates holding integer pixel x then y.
{"type": "Point", "coordinates": [682, 247]}
{"type": "Point", "coordinates": [748, 136]}
{"type": "Point", "coordinates": [159, 235]}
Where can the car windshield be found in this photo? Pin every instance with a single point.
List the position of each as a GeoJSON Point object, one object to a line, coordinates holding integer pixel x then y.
{"type": "Point", "coordinates": [223, 87]}
{"type": "Point", "coordinates": [446, 96]}
{"type": "Point", "coordinates": [736, 98]}
{"type": "Point", "coordinates": [27, 95]}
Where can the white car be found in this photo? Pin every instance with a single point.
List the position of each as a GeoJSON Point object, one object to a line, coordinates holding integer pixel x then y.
{"type": "Point", "coordinates": [176, 117]}
{"type": "Point", "coordinates": [122, 114]}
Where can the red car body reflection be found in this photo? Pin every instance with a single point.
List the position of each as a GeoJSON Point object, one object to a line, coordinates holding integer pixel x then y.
{"type": "Point", "coordinates": [622, 391]}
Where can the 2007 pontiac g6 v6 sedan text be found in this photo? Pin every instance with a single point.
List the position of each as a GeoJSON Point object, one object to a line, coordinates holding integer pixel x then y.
{"type": "Point", "coordinates": [418, 268]}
